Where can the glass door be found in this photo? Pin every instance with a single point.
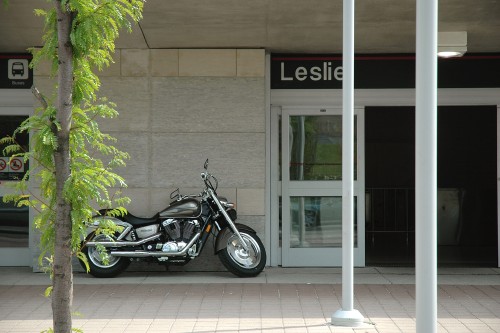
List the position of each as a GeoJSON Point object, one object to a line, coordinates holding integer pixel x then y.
{"type": "Point", "coordinates": [311, 187]}
{"type": "Point", "coordinates": [14, 221]}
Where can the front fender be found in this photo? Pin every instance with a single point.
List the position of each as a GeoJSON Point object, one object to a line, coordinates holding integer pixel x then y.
{"type": "Point", "coordinates": [224, 234]}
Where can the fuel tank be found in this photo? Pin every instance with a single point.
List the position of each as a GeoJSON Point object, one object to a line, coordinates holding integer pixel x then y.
{"type": "Point", "coordinates": [185, 208]}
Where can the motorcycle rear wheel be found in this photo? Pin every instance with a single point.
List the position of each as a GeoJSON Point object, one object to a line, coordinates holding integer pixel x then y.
{"type": "Point", "coordinates": [241, 262]}
{"type": "Point", "coordinates": [98, 266]}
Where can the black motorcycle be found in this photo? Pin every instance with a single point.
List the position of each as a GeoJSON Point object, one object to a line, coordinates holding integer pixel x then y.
{"type": "Point", "coordinates": [176, 235]}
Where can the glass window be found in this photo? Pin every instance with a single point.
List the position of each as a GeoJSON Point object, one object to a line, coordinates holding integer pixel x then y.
{"type": "Point", "coordinates": [14, 221]}
{"type": "Point", "coordinates": [16, 169]}
{"type": "Point", "coordinates": [14, 225]}
{"type": "Point", "coordinates": [316, 148]}
{"type": "Point", "coordinates": [317, 222]}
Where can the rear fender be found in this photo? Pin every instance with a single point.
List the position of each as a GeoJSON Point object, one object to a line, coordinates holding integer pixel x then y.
{"type": "Point", "coordinates": [224, 234]}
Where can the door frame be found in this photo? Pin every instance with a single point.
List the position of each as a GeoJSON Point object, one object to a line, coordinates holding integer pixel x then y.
{"type": "Point", "coordinates": [282, 256]}
{"type": "Point", "coordinates": [15, 256]}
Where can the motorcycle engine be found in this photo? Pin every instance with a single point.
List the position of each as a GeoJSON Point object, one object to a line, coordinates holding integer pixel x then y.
{"type": "Point", "coordinates": [179, 234]}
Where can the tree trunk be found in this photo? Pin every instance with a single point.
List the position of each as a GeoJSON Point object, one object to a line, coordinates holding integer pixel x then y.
{"type": "Point", "coordinates": [62, 294]}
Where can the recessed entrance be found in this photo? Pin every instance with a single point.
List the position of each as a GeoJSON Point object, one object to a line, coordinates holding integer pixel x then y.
{"type": "Point", "coordinates": [467, 186]}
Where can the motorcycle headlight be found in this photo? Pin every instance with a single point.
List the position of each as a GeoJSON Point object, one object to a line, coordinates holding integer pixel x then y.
{"type": "Point", "coordinates": [232, 214]}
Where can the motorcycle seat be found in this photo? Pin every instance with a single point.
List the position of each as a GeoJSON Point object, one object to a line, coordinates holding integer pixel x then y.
{"type": "Point", "coordinates": [140, 221]}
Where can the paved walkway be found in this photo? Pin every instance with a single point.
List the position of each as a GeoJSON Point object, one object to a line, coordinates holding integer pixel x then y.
{"type": "Point", "coordinates": [279, 300]}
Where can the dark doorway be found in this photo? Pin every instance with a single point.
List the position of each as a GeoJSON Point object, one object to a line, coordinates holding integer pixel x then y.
{"type": "Point", "coordinates": [467, 193]}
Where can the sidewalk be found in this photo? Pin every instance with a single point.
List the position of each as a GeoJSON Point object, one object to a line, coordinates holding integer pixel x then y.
{"type": "Point", "coordinates": [279, 300]}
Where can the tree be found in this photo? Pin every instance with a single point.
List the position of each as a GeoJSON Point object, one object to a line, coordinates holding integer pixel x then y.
{"type": "Point", "coordinates": [79, 37]}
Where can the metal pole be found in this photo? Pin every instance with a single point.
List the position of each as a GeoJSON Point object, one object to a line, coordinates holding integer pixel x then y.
{"type": "Point", "coordinates": [348, 157]}
{"type": "Point", "coordinates": [348, 316]}
{"type": "Point", "coordinates": [426, 167]}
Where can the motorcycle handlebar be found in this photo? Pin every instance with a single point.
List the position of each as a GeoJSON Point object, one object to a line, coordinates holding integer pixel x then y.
{"type": "Point", "coordinates": [206, 177]}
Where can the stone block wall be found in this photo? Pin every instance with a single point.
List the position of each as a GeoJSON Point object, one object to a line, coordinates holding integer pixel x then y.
{"type": "Point", "coordinates": [179, 107]}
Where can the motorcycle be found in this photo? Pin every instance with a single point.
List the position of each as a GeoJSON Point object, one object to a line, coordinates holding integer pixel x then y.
{"type": "Point", "coordinates": [176, 235]}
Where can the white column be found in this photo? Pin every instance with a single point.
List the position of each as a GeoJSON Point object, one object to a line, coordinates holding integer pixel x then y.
{"type": "Point", "coordinates": [348, 316]}
{"type": "Point", "coordinates": [426, 167]}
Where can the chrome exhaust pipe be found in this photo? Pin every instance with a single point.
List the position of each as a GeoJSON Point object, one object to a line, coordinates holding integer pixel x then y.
{"type": "Point", "coordinates": [126, 243]}
{"type": "Point", "coordinates": [143, 254]}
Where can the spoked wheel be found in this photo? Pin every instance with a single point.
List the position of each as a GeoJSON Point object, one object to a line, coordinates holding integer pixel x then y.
{"type": "Point", "coordinates": [241, 262]}
{"type": "Point", "coordinates": [102, 264]}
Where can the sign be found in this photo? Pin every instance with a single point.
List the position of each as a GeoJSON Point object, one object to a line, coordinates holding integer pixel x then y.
{"type": "Point", "coordinates": [15, 72]}
{"type": "Point", "coordinates": [15, 164]}
{"type": "Point", "coordinates": [306, 72]}
{"type": "Point", "coordinates": [323, 71]}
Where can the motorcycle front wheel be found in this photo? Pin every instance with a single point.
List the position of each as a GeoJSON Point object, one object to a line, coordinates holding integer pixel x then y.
{"type": "Point", "coordinates": [241, 262]}
{"type": "Point", "coordinates": [99, 267]}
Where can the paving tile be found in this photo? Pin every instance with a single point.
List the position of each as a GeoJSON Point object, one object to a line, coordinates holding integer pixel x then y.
{"type": "Point", "coordinates": [134, 304]}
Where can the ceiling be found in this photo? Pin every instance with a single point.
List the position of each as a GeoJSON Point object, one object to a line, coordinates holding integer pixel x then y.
{"type": "Point", "coordinates": [311, 26]}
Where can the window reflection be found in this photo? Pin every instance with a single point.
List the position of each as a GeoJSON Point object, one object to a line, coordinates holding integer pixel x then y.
{"type": "Point", "coordinates": [316, 147]}
{"type": "Point", "coordinates": [317, 222]}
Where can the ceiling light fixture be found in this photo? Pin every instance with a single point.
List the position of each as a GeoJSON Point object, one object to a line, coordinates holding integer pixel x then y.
{"type": "Point", "coordinates": [452, 44]}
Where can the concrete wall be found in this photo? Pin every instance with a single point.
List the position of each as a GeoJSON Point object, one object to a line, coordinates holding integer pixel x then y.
{"type": "Point", "coordinates": [179, 107]}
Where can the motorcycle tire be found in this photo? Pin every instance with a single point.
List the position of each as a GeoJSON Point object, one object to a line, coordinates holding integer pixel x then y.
{"type": "Point", "coordinates": [98, 267]}
{"type": "Point", "coordinates": [240, 262]}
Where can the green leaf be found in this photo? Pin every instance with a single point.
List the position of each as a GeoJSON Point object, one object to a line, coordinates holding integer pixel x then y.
{"type": "Point", "coordinates": [48, 291]}
{"type": "Point", "coordinates": [81, 256]}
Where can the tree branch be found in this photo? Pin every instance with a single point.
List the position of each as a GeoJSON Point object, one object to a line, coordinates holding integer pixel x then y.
{"type": "Point", "coordinates": [40, 97]}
